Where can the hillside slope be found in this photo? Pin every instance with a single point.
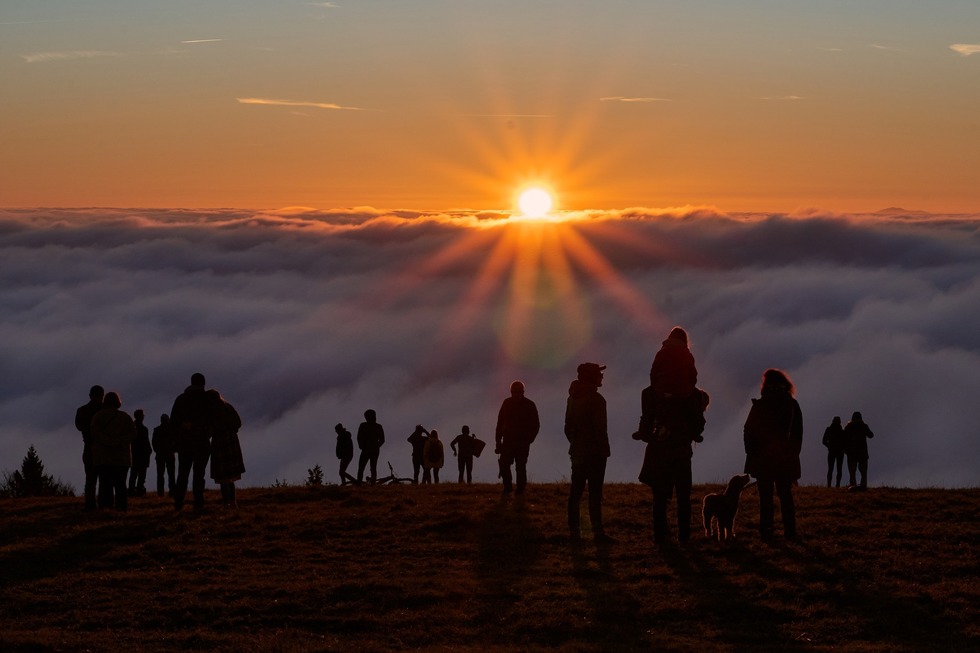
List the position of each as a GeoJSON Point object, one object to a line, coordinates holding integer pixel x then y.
{"type": "Point", "coordinates": [453, 567]}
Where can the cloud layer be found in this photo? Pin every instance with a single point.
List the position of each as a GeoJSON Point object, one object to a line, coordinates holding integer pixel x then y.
{"type": "Point", "coordinates": [304, 319]}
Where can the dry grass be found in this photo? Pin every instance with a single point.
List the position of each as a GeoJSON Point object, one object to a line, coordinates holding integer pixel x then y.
{"type": "Point", "coordinates": [456, 568]}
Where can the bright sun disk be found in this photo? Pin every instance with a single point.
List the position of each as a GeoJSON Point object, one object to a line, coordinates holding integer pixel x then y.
{"type": "Point", "coordinates": [535, 203]}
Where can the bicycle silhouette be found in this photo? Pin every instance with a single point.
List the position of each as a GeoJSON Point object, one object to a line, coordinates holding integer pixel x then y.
{"type": "Point", "coordinates": [392, 479]}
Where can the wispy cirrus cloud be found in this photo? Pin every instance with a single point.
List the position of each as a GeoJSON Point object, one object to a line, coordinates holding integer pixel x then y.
{"type": "Point", "coordinates": [192, 41]}
{"type": "Point", "coordinates": [965, 49]}
{"type": "Point", "coordinates": [620, 98]}
{"type": "Point", "coordinates": [324, 5]}
{"type": "Point", "coordinates": [67, 55]}
{"type": "Point", "coordinates": [296, 103]}
{"type": "Point", "coordinates": [782, 98]}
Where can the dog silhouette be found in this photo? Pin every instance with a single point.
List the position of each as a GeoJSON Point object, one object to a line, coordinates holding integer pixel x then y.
{"type": "Point", "coordinates": [719, 510]}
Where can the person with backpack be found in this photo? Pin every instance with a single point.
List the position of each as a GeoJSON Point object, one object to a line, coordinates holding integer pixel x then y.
{"type": "Point", "coordinates": [464, 448]}
{"type": "Point", "coordinates": [345, 453]}
{"type": "Point", "coordinates": [435, 456]}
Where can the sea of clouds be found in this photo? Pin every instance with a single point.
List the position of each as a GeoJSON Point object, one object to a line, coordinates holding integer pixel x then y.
{"type": "Point", "coordinates": [303, 319]}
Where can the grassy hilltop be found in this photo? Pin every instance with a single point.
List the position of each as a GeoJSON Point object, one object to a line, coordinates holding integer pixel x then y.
{"type": "Point", "coordinates": [452, 567]}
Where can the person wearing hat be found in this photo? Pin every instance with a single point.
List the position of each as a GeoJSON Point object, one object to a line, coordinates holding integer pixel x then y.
{"type": "Point", "coordinates": [517, 427]}
{"type": "Point", "coordinates": [588, 437]}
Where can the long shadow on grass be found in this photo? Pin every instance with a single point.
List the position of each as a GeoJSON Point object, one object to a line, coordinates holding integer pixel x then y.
{"type": "Point", "coordinates": [727, 610]}
{"type": "Point", "coordinates": [84, 547]}
{"type": "Point", "coordinates": [510, 545]}
{"type": "Point", "coordinates": [894, 623]}
{"type": "Point", "coordinates": [615, 626]}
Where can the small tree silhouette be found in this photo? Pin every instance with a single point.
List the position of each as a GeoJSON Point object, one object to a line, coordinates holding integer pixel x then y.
{"type": "Point", "coordinates": [314, 477]}
{"type": "Point", "coordinates": [31, 481]}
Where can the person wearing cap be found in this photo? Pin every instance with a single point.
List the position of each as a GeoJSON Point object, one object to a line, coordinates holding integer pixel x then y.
{"type": "Point", "coordinates": [517, 427]}
{"type": "Point", "coordinates": [856, 436]}
{"type": "Point", "coordinates": [586, 430]}
{"type": "Point", "coordinates": [83, 422]}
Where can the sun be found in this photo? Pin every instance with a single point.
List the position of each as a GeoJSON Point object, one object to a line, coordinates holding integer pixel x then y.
{"type": "Point", "coordinates": [535, 203]}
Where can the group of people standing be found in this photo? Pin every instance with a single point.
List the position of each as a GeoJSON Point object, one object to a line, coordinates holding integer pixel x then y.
{"type": "Point", "coordinates": [849, 441]}
{"type": "Point", "coordinates": [201, 427]}
{"type": "Point", "coordinates": [428, 451]}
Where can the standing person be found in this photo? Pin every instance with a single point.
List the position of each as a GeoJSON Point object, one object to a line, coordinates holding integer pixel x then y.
{"type": "Point", "coordinates": [585, 428]}
{"type": "Point", "coordinates": [856, 436]}
{"type": "Point", "coordinates": [345, 453]}
{"type": "Point", "coordinates": [227, 462]}
{"type": "Point", "coordinates": [141, 456]}
{"type": "Point", "coordinates": [435, 456]}
{"type": "Point", "coordinates": [83, 422]}
{"type": "Point", "coordinates": [192, 419]}
{"type": "Point", "coordinates": [666, 467]}
{"type": "Point", "coordinates": [417, 440]}
{"type": "Point", "coordinates": [773, 437]}
{"type": "Point", "coordinates": [517, 427]}
{"type": "Point", "coordinates": [833, 439]}
{"type": "Point", "coordinates": [370, 437]}
{"type": "Point", "coordinates": [463, 449]}
{"type": "Point", "coordinates": [112, 433]}
{"type": "Point", "coordinates": [164, 448]}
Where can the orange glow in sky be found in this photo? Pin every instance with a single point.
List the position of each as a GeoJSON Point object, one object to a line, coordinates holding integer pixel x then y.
{"type": "Point", "coordinates": [427, 105]}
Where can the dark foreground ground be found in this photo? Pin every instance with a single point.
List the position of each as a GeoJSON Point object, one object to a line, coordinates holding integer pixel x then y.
{"type": "Point", "coordinates": [458, 568]}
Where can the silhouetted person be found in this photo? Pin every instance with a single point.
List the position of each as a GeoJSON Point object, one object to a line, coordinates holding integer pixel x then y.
{"type": "Point", "coordinates": [417, 440]}
{"type": "Point", "coordinates": [192, 419]}
{"type": "Point", "coordinates": [674, 378]}
{"type": "Point", "coordinates": [112, 433]}
{"type": "Point", "coordinates": [142, 449]}
{"type": "Point", "coordinates": [370, 437]}
{"type": "Point", "coordinates": [83, 422]}
{"type": "Point", "coordinates": [517, 427]}
{"type": "Point", "coordinates": [667, 463]}
{"type": "Point", "coordinates": [463, 448]}
{"type": "Point", "coordinates": [345, 453]}
{"type": "Point", "coordinates": [773, 437]}
{"type": "Point", "coordinates": [227, 462]}
{"type": "Point", "coordinates": [856, 436]}
{"type": "Point", "coordinates": [435, 456]}
{"type": "Point", "coordinates": [165, 452]}
{"type": "Point", "coordinates": [833, 439]}
{"type": "Point", "coordinates": [585, 428]}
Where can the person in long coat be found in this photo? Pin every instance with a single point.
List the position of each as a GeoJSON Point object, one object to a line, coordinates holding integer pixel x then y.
{"type": "Point", "coordinates": [113, 431]}
{"type": "Point", "coordinates": [435, 456]}
{"type": "Point", "coordinates": [833, 439]}
{"type": "Point", "coordinates": [227, 461]}
{"type": "Point", "coordinates": [856, 436]}
{"type": "Point", "coordinates": [773, 438]}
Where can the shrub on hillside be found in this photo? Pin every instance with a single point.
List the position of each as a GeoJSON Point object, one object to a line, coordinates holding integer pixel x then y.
{"type": "Point", "coordinates": [31, 481]}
